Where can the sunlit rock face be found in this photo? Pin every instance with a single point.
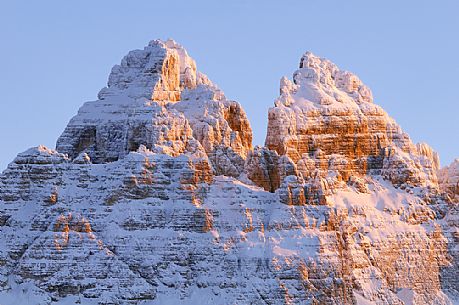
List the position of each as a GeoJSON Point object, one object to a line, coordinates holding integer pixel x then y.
{"type": "Point", "coordinates": [327, 116]}
{"type": "Point", "coordinates": [154, 195]}
{"type": "Point", "coordinates": [158, 99]}
{"type": "Point", "coordinates": [448, 178]}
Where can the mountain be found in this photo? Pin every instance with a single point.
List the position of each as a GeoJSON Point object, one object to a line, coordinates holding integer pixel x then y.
{"type": "Point", "coordinates": [155, 195]}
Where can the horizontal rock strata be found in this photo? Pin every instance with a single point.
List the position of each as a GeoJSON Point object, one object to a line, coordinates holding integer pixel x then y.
{"type": "Point", "coordinates": [155, 195]}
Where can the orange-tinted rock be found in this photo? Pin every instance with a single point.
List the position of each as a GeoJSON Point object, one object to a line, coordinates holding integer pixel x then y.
{"type": "Point", "coordinates": [325, 121]}
{"type": "Point", "coordinates": [348, 212]}
{"type": "Point", "coordinates": [448, 179]}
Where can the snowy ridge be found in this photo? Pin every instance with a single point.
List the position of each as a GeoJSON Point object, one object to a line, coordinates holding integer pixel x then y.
{"type": "Point", "coordinates": [329, 112]}
{"type": "Point", "coordinates": [155, 195]}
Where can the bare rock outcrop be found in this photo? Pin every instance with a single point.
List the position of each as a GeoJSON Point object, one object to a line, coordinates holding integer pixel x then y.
{"type": "Point", "coordinates": [158, 99]}
{"type": "Point", "coordinates": [155, 195]}
{"type": "Point", "coordinates": [448, 178]}
{"type": "Point", "coordinates": [325, 120]}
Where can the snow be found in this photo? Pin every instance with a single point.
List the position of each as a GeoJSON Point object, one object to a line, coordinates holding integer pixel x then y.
{"type": "Point", "coordinates": [361, 300]}
{"type": "Point", "coordinates": [406, 295]}
{"type": "Point", "coordinates": [157, 226]}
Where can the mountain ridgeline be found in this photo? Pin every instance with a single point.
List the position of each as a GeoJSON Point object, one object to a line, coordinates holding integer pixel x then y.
{"type": "Point", "coordinates": [155, 195]}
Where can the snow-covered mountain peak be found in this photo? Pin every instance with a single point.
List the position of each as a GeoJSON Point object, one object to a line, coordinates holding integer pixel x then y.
{"type": "Point", "coordinates": [155, 195]}
{"type": "Point", "coordinates": [157, 98]}
{"type": "Point", "coordinates": [158, 72]}
{"type": "Point", "coordinates": [321, 82]}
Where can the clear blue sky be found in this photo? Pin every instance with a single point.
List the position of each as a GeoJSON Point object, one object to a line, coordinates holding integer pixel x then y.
{"type": "Point", "coordinates": [55, 55]}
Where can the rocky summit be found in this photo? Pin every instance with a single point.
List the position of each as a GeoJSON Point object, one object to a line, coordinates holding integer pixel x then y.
{"type": "Point", "coordinates": [155, 195]}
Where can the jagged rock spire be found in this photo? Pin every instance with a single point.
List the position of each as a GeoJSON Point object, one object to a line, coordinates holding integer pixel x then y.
{"type": "Point", "coordinates": [348, 212]}
{"type": "Point", "coordinates": [158, 99]}
{"type": "Point", "coordinates": [325, 118]}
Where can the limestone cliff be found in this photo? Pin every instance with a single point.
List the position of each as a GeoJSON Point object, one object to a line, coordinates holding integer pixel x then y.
{"type": "Point", "coordinates": [158, 99]}
{"type": "Point", "coordinates": [155, 195]}
{"type": "Point", "coordinates": [449, 179]}
{"type": "Point", "coordinates": [326, 121]}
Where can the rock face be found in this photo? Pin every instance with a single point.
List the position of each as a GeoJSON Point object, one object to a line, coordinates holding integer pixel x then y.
{"type": "Point", "coordinates": [448, 178]}
{"type": "Point", "coordinates": [156, 98]}
{"type": "Point", "coordinates": [326, 119]}
{"type": "Point", "coordinates": [154, 195]}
